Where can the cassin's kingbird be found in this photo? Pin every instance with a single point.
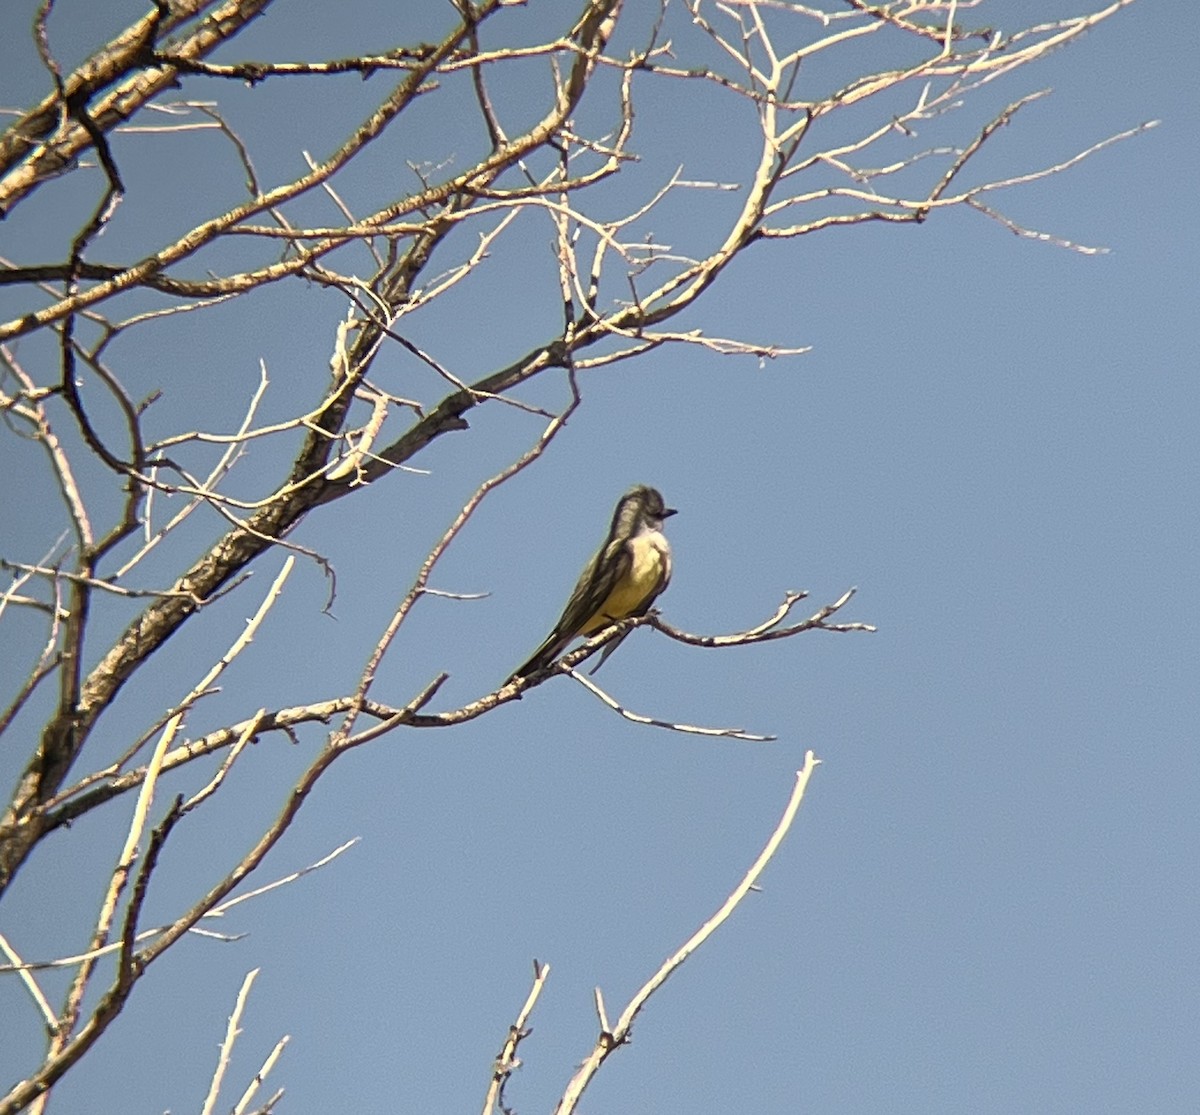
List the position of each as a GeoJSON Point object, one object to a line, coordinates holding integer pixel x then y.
{"type": "Point", "coordinates": [622, 580]}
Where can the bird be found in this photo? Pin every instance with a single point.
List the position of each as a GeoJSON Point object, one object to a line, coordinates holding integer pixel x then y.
{"type": "Point", "coordinates": [625, 576]}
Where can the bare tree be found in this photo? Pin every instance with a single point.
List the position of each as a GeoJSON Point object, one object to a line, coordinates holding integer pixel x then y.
{"type": "Point", "coordinates": [392, 242]}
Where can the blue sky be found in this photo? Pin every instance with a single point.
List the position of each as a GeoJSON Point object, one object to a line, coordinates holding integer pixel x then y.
{"type": "Point", "coordinates": [988, 902]}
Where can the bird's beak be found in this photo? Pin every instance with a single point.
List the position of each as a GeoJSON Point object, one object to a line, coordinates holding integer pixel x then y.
{"type": "Point", "coordinates": [668, 512]}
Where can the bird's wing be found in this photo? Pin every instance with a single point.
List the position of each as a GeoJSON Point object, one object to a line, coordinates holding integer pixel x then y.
{"type": "Point", "coordinates": [606, 568]}
{"type": "Point", "coordinates": [606, 571]}
{"type": "Point", "coordinates": [640, 610]}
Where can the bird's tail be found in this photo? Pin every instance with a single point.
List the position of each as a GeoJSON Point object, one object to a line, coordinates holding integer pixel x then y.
{"type": "Point", "coordinates": [540, 659]}
{"type": "Point", "coordinates": [551, 649]}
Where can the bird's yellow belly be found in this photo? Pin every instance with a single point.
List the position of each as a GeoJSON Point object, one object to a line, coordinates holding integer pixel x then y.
{"type": "Point", "coordinates": [646, 572]}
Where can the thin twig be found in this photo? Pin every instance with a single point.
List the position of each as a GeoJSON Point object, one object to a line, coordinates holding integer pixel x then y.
{"type": "Point", "coordinates": [611, 1040]}
{"type": "Point", "coordinates": [231, 1034]}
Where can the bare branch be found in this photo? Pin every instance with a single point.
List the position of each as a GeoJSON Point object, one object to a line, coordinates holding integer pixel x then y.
{"type": "Point", "coordinates": [507, 1061]}
{"type": "Point", "coordinates": [611, 1040]}
{"type": "Point", "coordinates": [637, 718]}
{"type": "Point", "coordinates": [231, 1035]}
